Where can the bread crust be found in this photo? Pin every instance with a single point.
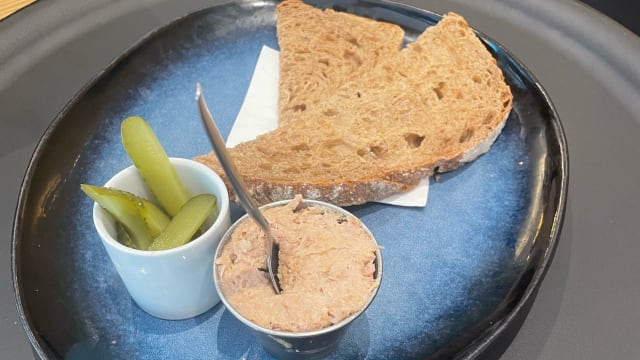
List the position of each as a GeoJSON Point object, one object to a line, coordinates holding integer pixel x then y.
{"type": "Point", "coordinates": [349, 192]}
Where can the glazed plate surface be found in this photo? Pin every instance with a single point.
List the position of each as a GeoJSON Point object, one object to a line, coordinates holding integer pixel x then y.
{"type": "Point", "coordinates": [458, 273]}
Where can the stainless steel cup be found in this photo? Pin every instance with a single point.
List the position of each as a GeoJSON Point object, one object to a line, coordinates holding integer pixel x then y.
{"type": "Point", "coordinates": [299, 345]}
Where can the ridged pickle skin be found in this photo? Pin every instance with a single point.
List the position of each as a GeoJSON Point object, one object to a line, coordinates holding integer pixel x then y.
{"type": "Point", "coordinates": [125, 207]}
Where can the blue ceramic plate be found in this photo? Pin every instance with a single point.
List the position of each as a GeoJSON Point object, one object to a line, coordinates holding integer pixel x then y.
{"type": "Point", "coordinates": [460, 274]}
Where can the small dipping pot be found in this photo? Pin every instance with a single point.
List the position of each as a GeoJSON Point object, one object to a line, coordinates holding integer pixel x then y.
{"type": "Point", "coordinates": [300, 345]}
{"type": "Point", "coordinates": [176, 283]}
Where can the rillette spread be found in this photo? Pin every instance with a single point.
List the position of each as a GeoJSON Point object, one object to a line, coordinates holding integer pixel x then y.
{"type": "Point", "coordinates": [326, 270]}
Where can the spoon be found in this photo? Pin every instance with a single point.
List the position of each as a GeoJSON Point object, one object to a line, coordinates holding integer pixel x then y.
{"type": "Point", "coordinates": [239, 188]}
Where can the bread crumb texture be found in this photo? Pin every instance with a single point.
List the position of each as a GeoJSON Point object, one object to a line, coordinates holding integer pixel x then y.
{"type": "Point", "coordinates": [360, 117]}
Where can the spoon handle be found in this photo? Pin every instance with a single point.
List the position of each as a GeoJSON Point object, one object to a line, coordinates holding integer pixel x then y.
{"type": "Point", "coordinates": [228, 166]}
{"type": "Point", "coordinates": [237, 183]}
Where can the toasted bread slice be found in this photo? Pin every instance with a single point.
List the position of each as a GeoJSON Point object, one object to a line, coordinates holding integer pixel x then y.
{"type": "Point", "coordinates": [432, 106]}
{"type": "Point", "coordinates": [321, 50]}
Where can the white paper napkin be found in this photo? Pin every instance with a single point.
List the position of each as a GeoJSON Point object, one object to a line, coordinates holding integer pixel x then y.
{"type": "Point", "coordinates": [259, 114]}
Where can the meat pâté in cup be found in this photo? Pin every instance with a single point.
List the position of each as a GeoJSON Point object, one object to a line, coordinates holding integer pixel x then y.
{"type": "Point", "coordinates": [326, 268]}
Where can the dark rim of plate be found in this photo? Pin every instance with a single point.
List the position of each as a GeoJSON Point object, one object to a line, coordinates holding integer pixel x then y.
{"type": "Point", "coordinates": [492, 336]}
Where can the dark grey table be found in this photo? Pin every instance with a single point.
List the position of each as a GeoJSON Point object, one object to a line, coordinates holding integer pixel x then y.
{"type": "Point", "coordinates": [588, 307]}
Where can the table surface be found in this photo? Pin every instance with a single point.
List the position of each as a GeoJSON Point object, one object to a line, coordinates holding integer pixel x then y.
{"type": "Point", "coordinates": [588, 306]}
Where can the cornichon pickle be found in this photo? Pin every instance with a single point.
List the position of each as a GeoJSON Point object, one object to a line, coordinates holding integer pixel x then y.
{"type": "Point", "coordinates": [154, 217]}
{"type": "Point", "coordinates": [149, 157]}
{"type": "Point", "coordinates": [186, 222]}
{"type": "Point", "coordinates": [123, 236]}
{"type": "Point", "coordinates": [142, 219]}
